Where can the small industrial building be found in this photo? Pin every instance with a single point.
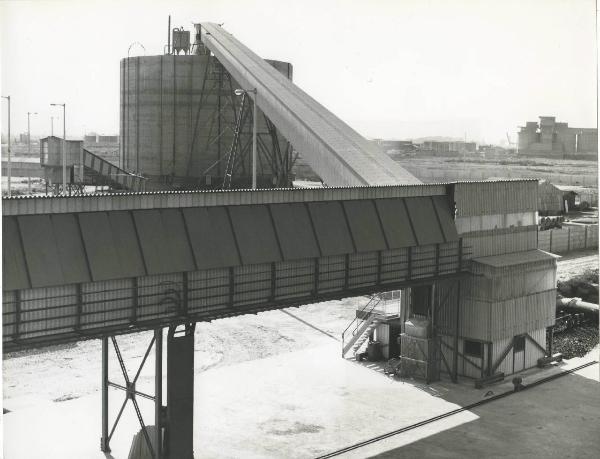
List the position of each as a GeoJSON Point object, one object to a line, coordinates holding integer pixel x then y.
{"type": "Point", "coordinates": [444, 147]}
{"type": "Point", "coordinates": [550, 138]}
{"type": "Point", "coordinates": [550, 199]}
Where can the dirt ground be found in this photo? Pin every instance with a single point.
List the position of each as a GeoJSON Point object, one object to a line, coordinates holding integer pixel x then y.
{"type": "Point", "coordinates": [575, 263]}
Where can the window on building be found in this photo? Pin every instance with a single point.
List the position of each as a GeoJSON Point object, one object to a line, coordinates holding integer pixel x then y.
{"type": "Point", "coordinates": [519, 343]}
{"type": "Point", "coordinates": [473, 349]}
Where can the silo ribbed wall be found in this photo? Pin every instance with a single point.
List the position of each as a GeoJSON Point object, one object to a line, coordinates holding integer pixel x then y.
{"type": "Point", "coordinates": [169, 123]}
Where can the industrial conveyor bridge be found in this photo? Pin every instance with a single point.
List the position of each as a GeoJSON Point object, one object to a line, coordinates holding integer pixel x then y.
{"type": "Point", "coordinates": [89, 266]}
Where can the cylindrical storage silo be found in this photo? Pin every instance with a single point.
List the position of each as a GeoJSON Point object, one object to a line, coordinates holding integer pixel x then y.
{"type": "Point", "coordinates": [178, 116]}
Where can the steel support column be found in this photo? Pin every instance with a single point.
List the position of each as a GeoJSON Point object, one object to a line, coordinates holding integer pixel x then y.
{"type": "Point", "coordinates": [158, 409]}
{"type": "Point", "coordinates": [456, 327]}
{"type": "Point", "coordinates": [155, 448]}
{"type": "Point", "coordinates": [104, 440]}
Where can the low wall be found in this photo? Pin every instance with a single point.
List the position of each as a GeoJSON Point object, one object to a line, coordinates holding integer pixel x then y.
{"type": "Point", "coordinates": [568, 238]}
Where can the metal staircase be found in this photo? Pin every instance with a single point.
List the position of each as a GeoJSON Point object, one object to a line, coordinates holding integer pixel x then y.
{"type": "Point", "coordinates": [364, 322]}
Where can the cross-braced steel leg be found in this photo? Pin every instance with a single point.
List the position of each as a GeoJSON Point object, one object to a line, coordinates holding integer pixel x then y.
{"type": "Point", "coordinates": [131, 392]}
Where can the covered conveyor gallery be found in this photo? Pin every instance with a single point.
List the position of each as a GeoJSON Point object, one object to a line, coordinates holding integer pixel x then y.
{"type": "Point", "coordinates": [73, 275]}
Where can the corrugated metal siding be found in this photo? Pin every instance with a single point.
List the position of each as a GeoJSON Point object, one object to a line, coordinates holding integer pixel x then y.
{"type": "Point", "coordinates": [331, 228]}
{"type": "Point", "coordinates": [255, 234]}
{"type": "Point", "coordinates": [498, 348]}
{"type": "Point", "coordinates": [396, 224]}
{"type": "Point", "coordinates": [8, 314]}
{"type": "Point", "coordinates": [41, 253]}
{"type": "Point", "coordinates": [443, 209]}
{"type": "Point", "coordinates": [364, 226]}
{"type": "Point", "coordinates": [164, 241]}
{"type": "Point", "coordinates": [208, 290]}
{"type": "Point", "coordinates": [424, 221]}
{"type": "Point", "coordinates": [126, 244]}
{"type": "Point", "coordinates": [332, 273]}
{"type": "Point", "coordinates": [531, 354]}
{"type": "Point", "coordinates": [70, 248]}
{"type": "Point", "coordinates": [159, 296]}
{"type": "Point", "coordinates": [394, 265]}
{"type": "Point", "coordinates": [295, 278]}
{"type": "Point", "coordinates": [363, 269]}
{"type": "Point", "coordinates": [14, 270]}
{"type": "Point", "coordinates": [209, 228]}
{"type": "Point", "coordinates": [252, 284]}
{"type": "Point", "coordinates": [496, 221]}
{"type": "Point", "coordinates": [102, 255]}
{"type": "Point", "coordinates": [50, 308]}
{"type": "Point", "coordinates": [294, 231]}
{"type": "Point", "coordinates": [488, 198]}
{"type": "Point", "coordinates": [106, 303]}
{"type": "Point", "coordinates": [496, 242]}
{"type": "Point", "coordinates": [423, 261]}
{"type": "Point", "coordinates": [519, 315]}
{"type": "Point", "coordinates": [516, 283]}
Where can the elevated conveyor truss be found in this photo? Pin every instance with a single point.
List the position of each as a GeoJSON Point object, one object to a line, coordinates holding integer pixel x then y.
{"type": "Point", "coordinates": [335, 151]}
{"type": "Point", "coordinates": [109, 264]}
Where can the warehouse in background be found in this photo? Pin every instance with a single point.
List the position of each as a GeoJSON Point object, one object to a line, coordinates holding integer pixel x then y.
{"type": "Point", "coordinates": [552, 139]}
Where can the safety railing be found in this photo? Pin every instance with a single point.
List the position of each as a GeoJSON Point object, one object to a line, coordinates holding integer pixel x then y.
{"type": "Point", "coordinates": [360, 318]}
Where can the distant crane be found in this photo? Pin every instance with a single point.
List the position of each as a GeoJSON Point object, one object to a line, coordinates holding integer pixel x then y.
{"type": "Point", "coordinates": [512, 144]}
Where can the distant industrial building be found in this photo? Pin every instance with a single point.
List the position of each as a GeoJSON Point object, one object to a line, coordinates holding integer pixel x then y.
{"type": "Point", "coordinates": [442, 147]}
{"type": "Point", "coordinates": [402, 146]}
{"type": "Point", "coordinates": [550, 138]}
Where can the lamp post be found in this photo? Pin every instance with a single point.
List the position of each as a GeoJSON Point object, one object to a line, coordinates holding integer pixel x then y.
{"type": "Point", "coordinates": [52, 126]}
{"type": "Point", "coordinates": [64, 146]}
{"type": "Point", "coordinates": [29, 131]}
{"type": "Point", "coordinates": [8, 157]}
{"type": "Point", "coordinates": [239, 92]}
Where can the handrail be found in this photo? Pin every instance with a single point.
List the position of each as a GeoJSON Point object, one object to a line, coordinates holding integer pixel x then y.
{"type": "Point", "coordinates": [375, 300]}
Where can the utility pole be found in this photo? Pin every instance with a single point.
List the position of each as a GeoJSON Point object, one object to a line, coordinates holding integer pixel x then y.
{"type": "Point", "coordinates": [8, 165]}
{"type": "Point", "coordinates": [254, 140]}
{"type": "Point", "coordinates": [239, 92]}
{"type": "Point", "coordinates": [29, 131]}
{"type": "Point", "coordinates": [64, 146]}
{"type": "Point", "coordinates": [52, 126]}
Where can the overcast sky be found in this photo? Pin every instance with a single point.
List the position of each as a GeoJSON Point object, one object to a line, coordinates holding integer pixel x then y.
{"type": "Point", "coordinates": [391, 69]}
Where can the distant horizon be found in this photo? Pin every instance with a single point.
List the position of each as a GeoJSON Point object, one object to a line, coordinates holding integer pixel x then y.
{"type": "Point", "coordinates": [391, 70]}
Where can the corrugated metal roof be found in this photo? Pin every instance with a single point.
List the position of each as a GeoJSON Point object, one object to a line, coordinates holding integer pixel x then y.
{"type": "Point", "coordinates": [21, 205]}
{"type": "Point", "coordinates": [517, 258]}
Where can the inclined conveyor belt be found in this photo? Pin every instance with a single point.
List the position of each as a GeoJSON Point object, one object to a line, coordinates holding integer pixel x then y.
{"type": "Point", "coordinates": [334, 150]}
